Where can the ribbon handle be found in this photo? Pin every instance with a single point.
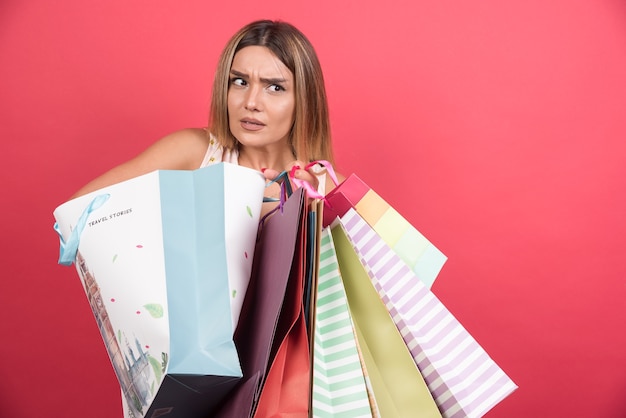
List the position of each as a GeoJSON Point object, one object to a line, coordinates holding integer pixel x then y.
{"type": "Point", "coordinates": [69, 248]}
{"type": "Point", "coordinates": [311, 192]}
{"type": "Point", "coordinates": [285, 188]}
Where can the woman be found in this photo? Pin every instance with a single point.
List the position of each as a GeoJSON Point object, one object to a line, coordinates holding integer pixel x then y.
{"type": "Point", "coordinates": [268, 112]}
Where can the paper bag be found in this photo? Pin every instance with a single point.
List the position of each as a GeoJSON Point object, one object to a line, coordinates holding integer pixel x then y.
{"type": "Point", "coordinates": [412, 247]}
{"type": "Point", "coordinates": [339, 386]}
{"type": "Point", "coordinates": [398, 387]}
{"type": "Point", "coordinates": [463, 379]}
{"type": "Point", "coordinates": [287, 388]}
{"type": "Point", "coordinates": [257, 330]}
{"type": "Point", "coordinates": [165, 260]}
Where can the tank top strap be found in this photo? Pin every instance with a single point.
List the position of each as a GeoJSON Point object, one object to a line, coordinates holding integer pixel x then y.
{"type": "Point", "coordinates": [215, 153]}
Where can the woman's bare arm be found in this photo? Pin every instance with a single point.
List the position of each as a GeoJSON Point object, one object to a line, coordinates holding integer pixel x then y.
{"type": "Point", "coordinates": [181, 150]}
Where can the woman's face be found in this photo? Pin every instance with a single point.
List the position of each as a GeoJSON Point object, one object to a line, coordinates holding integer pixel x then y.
{"type": "Point", "coordinates": [261, 98]}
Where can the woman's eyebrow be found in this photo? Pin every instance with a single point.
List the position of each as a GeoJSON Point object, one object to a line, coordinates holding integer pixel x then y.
{"type": "Point", "coordinates": [238, 74]}
{"type": "Point", "coordinates": [278, 80]}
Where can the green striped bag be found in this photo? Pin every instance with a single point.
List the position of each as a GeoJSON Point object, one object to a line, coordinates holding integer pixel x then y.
{"type": "Point", "coordinates": [339, 384]}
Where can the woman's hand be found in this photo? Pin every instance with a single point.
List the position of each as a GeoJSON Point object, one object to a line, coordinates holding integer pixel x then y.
{"type": "Point", "coordinates": [298, 172]}
{"type": "Point", "coordinates": [310, 176]}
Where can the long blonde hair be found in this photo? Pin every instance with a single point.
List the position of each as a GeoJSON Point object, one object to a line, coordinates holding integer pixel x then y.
{"type": "Point", "coordinates": [310, 135]}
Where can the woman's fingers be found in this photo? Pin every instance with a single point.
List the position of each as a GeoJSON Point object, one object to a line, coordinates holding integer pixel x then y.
{"type": "Point", "coordinates": [295, 170]}
{"type": "Point", "coordinates": [301, 174]}
{"type": "Point", "coordinates": [270, 174]}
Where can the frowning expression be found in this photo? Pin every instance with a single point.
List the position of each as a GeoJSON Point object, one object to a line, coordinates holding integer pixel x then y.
{"type": "Point", "coordinates": [261, 98]}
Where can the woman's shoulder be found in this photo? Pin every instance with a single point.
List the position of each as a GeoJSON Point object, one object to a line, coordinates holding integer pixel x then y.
{"type": "Point", "coordinates": [188, 146]}
{"type": "Point", "coordinates": [189, 136]}
{"type": "Point", "coordinates": [180, 150]}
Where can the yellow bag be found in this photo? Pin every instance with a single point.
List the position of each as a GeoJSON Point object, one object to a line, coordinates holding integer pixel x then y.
{"type": "Point", "coordinates": [398, 387]}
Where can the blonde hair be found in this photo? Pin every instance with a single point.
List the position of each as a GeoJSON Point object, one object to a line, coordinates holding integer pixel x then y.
{"type": "Point", "coordinates": [310, 135]}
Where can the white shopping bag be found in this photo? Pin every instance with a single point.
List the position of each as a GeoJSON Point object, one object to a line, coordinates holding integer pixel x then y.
{"type": "Point", "coordinates": [165, 260]}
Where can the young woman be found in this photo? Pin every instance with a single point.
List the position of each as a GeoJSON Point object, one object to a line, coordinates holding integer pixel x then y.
{"type": "Point", "coordinates": [269, 112]}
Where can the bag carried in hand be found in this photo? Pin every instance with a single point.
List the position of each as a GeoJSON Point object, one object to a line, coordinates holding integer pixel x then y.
{"type": "Point", "coordinates": [287, 385]}
{"type": "Point", "coordinates": [339, 379]}
{"type": "Point", "coordinates": [397, 386]}
{"type": "Point", "coordinates": [412, 247]}
{"type": "Point", "coordinates": [463, 379]}
{"type": "Point", "coordinates": [261, 331]}
{"type": "Point", "coordinates": [165, 260]}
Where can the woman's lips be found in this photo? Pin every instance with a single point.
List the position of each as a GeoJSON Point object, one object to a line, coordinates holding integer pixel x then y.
{"type": "Point", "coordinates": [251, 124]}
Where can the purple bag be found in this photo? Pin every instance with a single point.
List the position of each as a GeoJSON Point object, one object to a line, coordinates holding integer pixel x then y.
{"type": "Point", "coordinates": [257, 332]}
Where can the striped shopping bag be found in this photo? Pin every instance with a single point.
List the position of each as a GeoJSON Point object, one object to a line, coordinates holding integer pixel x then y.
{"type": "Point", "coordinates": [398, 388]}
{"type": "Point", "coordinates": [339, 387]}
{"type": "Point", "coordinates": [463, 379]}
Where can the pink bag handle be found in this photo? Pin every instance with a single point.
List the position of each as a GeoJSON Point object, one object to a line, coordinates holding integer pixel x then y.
{"type": "Point", "coordinates": [310, 191]}
{"type": "Point", "coordinates": [286, 191]}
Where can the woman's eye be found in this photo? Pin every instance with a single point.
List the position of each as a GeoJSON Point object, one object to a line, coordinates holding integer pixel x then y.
{"type": "Point", "coordinates": [238, 81]}
{"type": "Point", "coordinates": [275, 88]}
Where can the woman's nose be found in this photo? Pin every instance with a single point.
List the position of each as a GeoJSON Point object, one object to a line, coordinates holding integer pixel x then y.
{"type": "Point", "coordinates": [253, 98]}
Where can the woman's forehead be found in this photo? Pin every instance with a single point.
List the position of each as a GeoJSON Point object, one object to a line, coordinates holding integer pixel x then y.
{"type": "Point", "coordinates": [259, 61]}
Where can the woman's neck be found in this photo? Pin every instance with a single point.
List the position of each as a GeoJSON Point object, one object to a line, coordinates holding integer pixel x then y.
{"type": "Point", "coordinates": [261, 158]}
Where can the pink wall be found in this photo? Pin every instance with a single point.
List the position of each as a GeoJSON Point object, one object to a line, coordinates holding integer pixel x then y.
{"type": "Point", "coordinates": [497, 128]}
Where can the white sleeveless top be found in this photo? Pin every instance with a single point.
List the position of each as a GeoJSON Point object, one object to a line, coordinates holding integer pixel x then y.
{"type": "Point", "coordinates": [216, 153]}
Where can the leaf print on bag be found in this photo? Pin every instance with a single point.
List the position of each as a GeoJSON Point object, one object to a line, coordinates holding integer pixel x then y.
{"type": "Point", "coordinates": [154, 309]}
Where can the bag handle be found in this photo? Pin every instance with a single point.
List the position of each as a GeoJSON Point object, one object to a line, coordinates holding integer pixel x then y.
{"type": "Point", "coordinates": [286, 189]}
{"type": "Point", "coordinates": [310, 191]}
{"type": "Point", "coordinates": [69, 248]}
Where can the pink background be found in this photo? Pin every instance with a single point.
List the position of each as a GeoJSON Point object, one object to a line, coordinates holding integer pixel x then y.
{"type": "Point", "coordinates": [497, 128]}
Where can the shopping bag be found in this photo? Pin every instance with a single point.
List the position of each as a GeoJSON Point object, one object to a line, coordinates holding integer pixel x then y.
{"type": "Point", "coordinates": [165, 259]}
{"type": "Point", "coordinates": [412, 247]}
{"type": "Point", "coordinates": [339, 386]}
{"type": "Point", "coordinates": [286, 390]}
{"type": "Point", "coordinates": [463, 379]}
{"type": "Point", "coordinates": [398, 387]}
{"type": "Point", "coordinates": [314, 233]}
{"type": "Point", "coordinates": [258, 335]}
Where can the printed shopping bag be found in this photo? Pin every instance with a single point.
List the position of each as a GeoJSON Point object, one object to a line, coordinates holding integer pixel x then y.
{"type": "Point", "coordinates": [398, 387]}
{"type": "Point", "coordinates": [165, 259]}
{"type": "Point", "coordinates": [339, 387]}
{"type": "Point", "coordinates": [461, 376]}
{"type": "Point", "coordinates": [412, 247]}
{"type": "Point", "coordinates": [258, 335]}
